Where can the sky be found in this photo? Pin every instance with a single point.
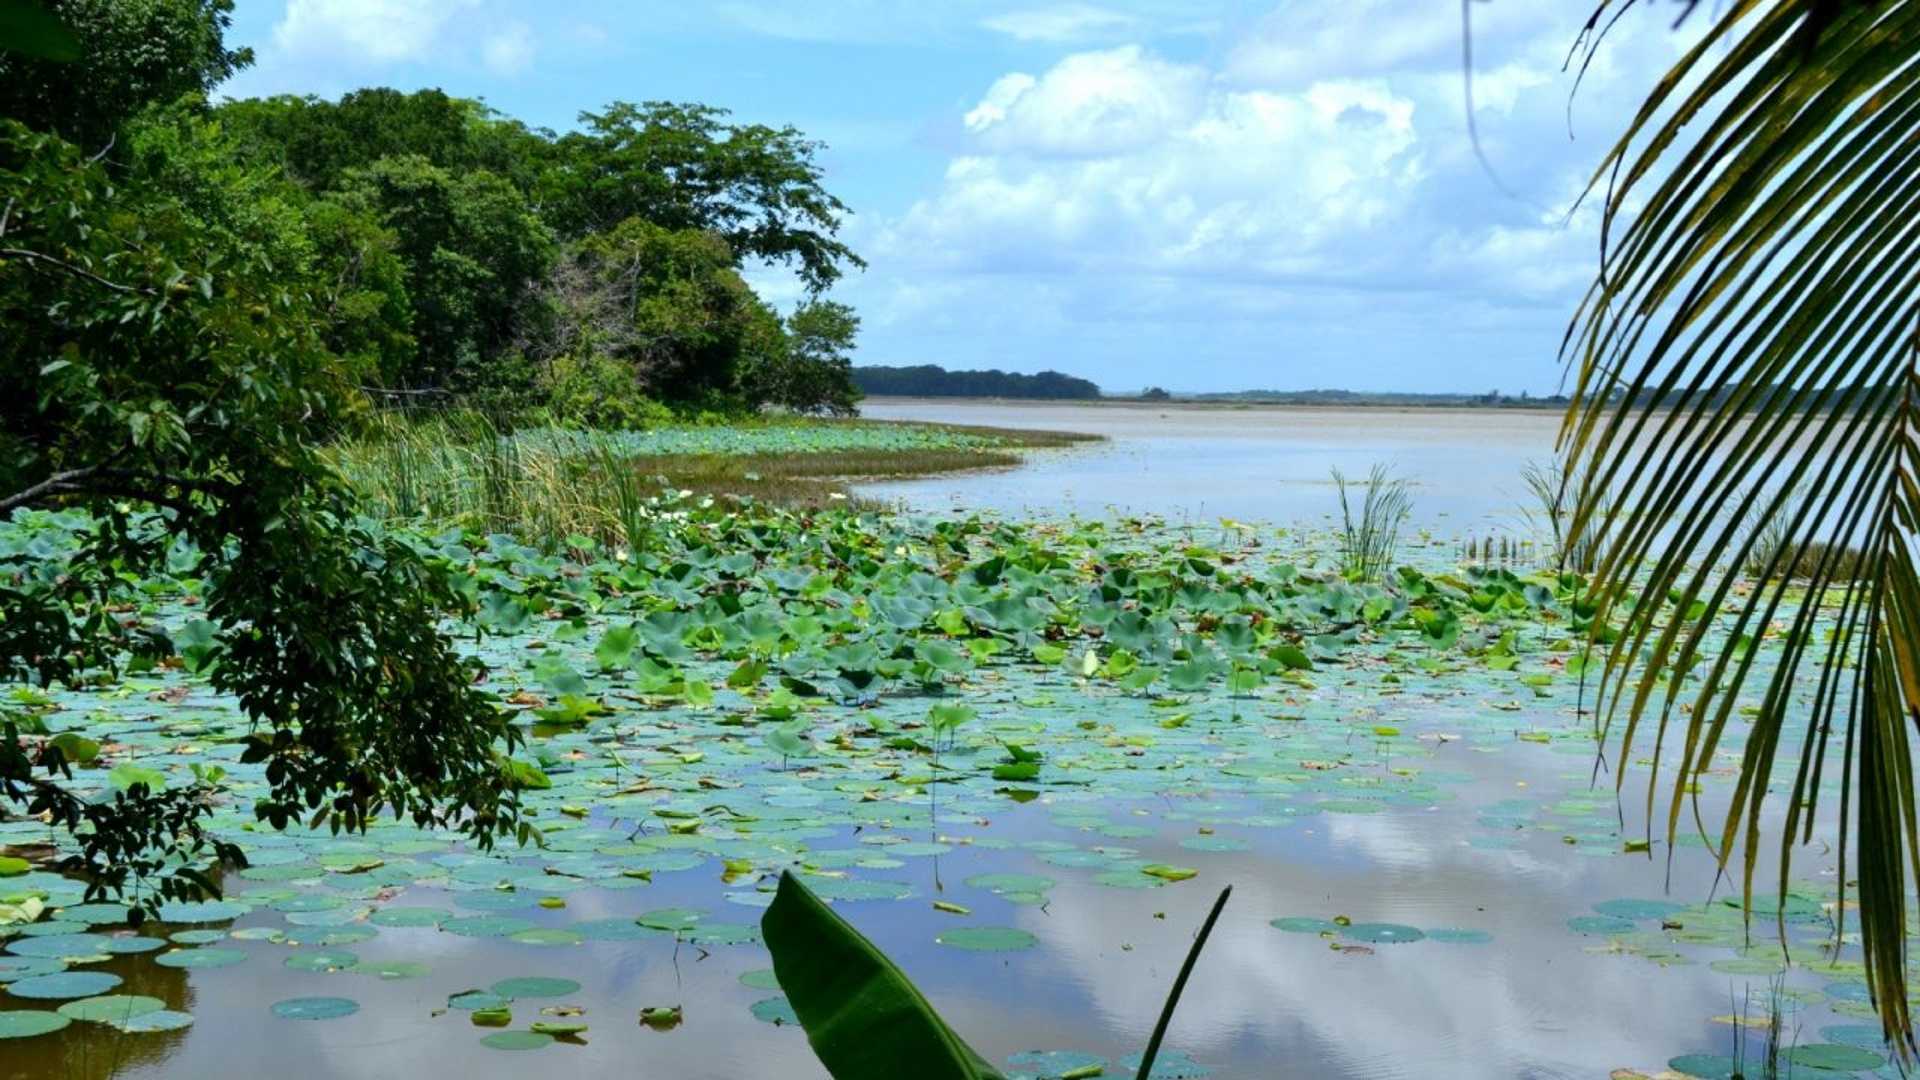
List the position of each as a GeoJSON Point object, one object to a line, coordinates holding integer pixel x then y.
{"type": "Point", "coordinates": [1194, 194]}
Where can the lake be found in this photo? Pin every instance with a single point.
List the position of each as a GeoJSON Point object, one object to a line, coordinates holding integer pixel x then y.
{"type": "Point", "coordinates": [1432, 875]}
{"type": "Point", "coordinates": [1202, 463]}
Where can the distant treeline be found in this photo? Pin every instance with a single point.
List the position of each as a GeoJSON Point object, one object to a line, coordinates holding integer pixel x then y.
{"type": "Point", "coordinates": [930, 380]}
{"type": "Point", "coordinates": [1492, 398]}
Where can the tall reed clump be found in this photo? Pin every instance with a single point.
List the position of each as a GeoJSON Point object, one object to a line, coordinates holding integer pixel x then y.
{"type": "Point", "coordinates": [464, 468]}
{"type": "Point", "coordinates": [1555, 494]}
{"type": "Point", "coordinates": [1368, 542]}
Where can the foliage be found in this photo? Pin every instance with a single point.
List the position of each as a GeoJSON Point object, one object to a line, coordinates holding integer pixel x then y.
{"type": "Point", "coordinates": [133, 53]}
{"type": "Point", "coordinates": [1556, 494]}
{"type": "Point", "coordinates": [930, 380]}
{"type": "Point", "coordinates": [318, 142]}
{"type": "Point", "coordinates": [862, 1016]}
{"type": "Point", "coordinates": [1367, 543]}
{"type": "Point", "coordinates": [166, 348]}
{"type": "Point", "coordinates": [1754, 321]}
{"type": "Point", "coordinates": [814, 370]}
{"type": "Point", "coordinates": [596, 391]}
{"type": "Point", "coordinates": [473, 248]}
{"type": "Point", "coordinates": [684, 168]}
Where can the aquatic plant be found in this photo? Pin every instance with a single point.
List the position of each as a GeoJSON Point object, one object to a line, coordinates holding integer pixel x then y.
{"type": "Point", "coordinates": [1369, 540]}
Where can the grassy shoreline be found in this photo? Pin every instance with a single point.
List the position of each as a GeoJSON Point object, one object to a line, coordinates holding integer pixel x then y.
{"type": "Point", "coordinates": [553, 484]}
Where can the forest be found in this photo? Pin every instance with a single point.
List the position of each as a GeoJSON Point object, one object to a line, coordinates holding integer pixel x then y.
{"type": "Point", "coordinates": [451, 255]}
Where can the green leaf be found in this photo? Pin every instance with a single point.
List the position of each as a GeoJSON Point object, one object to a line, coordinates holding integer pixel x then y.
{"type": "Point", "coordinates": [126, 775]}
{"type": "Point", "coordinates": [865, 1020]}
{"type": "Point", "coordinates": [29, 29]}
{"type": "Point", "coordinates": [75, 747]}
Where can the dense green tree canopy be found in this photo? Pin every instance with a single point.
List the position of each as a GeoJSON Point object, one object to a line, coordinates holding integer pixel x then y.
{"type": "Point", "coordinates": [684, 167]}
{"type": "Point", "coordinates": [133, 53]}
{"type": "Point", "coordinates": [166, 348]}
{"type": "Point", "coordinates": [473, 249]}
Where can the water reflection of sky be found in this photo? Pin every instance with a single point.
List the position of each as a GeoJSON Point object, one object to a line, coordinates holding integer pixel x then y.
{"type": "Point", "coordinates": [1273, 465]}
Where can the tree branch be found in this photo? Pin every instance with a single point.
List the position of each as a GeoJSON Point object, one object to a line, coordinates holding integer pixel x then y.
{"type": "Point", "coordinates": [77, 271]}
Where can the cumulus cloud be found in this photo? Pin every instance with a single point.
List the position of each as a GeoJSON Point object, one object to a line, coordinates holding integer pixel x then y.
{"type": "Point", "coordinates": [379, 31]}
{"type": "Point", "coordinates": [1062, 23]}
{"type": "Point", "coordinates": [1309, 190]}
{"type": "Point", "coordinates": [510, 50]}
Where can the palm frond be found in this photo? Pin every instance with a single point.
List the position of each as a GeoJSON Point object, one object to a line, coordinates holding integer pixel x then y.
{"type": "Point", "coordinates": [1748, 352]}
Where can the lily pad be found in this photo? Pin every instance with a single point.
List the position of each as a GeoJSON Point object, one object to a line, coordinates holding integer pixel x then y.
{"type": "Point", "coordinates": [1382, 933]}
{"type": "Point", "coordinates": [26, 1023]}
{"type": "Point", "coordinates": [517, 1040]}
{"type": "Point", "coordinates": [987, 939]}
{"type": "Point", "coordinates": [534, 986]}
{"type": "Point", "coordinates": [65, 984]}
{"type": "Point", "coordinates": [315, 1008]}
{"type": "Point", "coordinates": [112, 1008]}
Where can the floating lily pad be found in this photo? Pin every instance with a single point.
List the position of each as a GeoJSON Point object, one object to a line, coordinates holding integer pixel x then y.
{"type": "Point", "coordinates": [763, 979]}
{"type": "Point", "coordinates": [517, 1040]}
{"type": "Point", "coordinates": [158, 1020]}
{"type": "Point", "coordinates": [485, 926]}
{"type": "Point", "coordinates": [1453, 936]}
{"type": "Point", "coordinates": [987, 939]}
{"type": "Point", "coordinates": [321, 959]}
{"type": "Point", "coordinates": [315, 1008]}
{"type": "Point", "coordinates": [1302, 924]}
{"type": "Point", "coordinates": [200, 911]}
{"type": "Point", "coordinates": [1599, 924]}
{"type": "Point", "coordinates": [64, 984]}
{"type": "Point", "coordinates": [1382, 933]}
{"type": "Point", "coordinates": [203, 957]}
{"type": "Point", "coordinates": [1638, 909]}
{"type": "Point", "coordinates": [112, 1008]}
{"type": "Point", "coordinates": [1835, 1057]}
{"type": "Point", "coordinates": [774, 1010]}
{"type": "Point", "coordinates": [546, 935]}
{"type": "Point", "coordinates": [26, 1023]}
{"type": "Point", "coordinates": [409, 916]}
{"type": "Point", "coordinates": [1704, 1066]}
{"type": "Point", "coordinates": [534, 986]}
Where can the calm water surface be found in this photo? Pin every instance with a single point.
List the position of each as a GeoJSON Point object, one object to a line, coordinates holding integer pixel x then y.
{"type": "Point", "coordinates": [1250, 464]}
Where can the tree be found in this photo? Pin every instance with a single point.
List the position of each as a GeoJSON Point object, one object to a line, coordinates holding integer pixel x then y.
{"type": "Point", "coordinates": [667, 305]}
{"type": "Point", "coordinates": [166, 350]}
{"type": "Point", "coordinates": [812, 371]}
{"type": "Point", "coordinates": [681, 167]}
{"type": "Point", "coordinates": [474, 250]}
{"type": "Point", "coordinates": [1752, 340]}
{"type": "Point", "coordinates": [317, 142]}
{"type": "Point", "coordinates": [133, 53]}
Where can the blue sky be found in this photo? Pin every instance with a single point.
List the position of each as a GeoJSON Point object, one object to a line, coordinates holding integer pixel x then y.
{"type": "Point", "coordinates": [1199, 194]}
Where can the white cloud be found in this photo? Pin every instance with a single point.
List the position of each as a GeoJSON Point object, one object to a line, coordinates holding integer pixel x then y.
{"type": "Point", "coordinates": [1097, 103]}
{"type": "Point", "coordinates": [1062, 23]}
{"type": "Point", "coordinates": [380, 31]}
{"type": "Point", "coordinates": [509, 51]}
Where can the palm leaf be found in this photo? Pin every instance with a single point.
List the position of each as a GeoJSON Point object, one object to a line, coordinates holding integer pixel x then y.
{"type": "Point", "coordinates": [1753, 330]}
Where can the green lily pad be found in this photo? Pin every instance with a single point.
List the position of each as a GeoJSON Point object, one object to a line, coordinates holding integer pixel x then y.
{"type": "Point", "coordinates": [774, 1010]}
{"type": "Point", "coordinates": [534, 986]}
{"type": "Point", "coordinates": [26, 1023]}
{"type": "Point", "coordinates": [517, 1040]}
{"type": "Point", "coordinates": [158, 1020]}
{"type": "Point", "coordinates": [987, 939]}
{"type": "Point", "coordinates": [315, 1008]}
{"type": "Point", "coordinates": [1382, 933]}
{"type": "Point", "coordinates": [65, 984]}
{"type": "Point", "coordinates": [112, 1008]}
{"type": "Point", "coordinates": [203, 957]}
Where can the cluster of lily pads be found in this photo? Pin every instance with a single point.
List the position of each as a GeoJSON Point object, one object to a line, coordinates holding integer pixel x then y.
{"type": "Point", "coordinates": [773, 438]}
{"type": "Point", "coordinates": [837, 693]}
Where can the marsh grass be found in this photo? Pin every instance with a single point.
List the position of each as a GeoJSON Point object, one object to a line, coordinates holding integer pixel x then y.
{"type": "Point", "coordinates": [1555, 494]}
{"type": "Point", "coordinates": [1368, 542]}
{"type": "Point", "coordinates": [547, 490]}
